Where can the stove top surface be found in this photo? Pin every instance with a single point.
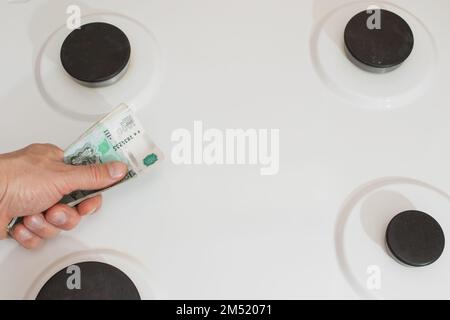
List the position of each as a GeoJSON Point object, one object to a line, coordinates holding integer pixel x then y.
{"type": "Point", "coordinates": [357, 147]}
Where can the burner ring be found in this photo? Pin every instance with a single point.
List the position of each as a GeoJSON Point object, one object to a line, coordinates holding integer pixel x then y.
{"type": "Point", "coordinates": [96, 55]}
{"type": "Point", "coordinates": [380, 48]}
{"type": "Point", "coordinates": [137, 87]}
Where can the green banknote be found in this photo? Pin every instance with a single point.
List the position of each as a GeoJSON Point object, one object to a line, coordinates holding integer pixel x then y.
{"type": "Point", "coordinates": [119, 136]}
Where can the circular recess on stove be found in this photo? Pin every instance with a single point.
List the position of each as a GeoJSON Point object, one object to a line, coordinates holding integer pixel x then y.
{"type": "Point", "coordinates": [98, 272]}
{"type": "Point", "coordinates": [369, 224]}
{"type": "Point", "coordinates": [139, 79]}
{"type": "Point", "coordinates": [415, 238]}
{"type": "Point", "coordinates": [89, 281]}
{"type": "Point", "coordinates": [370, 90]}
{"type": "Point", "coordinates": [96, 55]}
{"type": "Point", "coordinates": [378, 40]}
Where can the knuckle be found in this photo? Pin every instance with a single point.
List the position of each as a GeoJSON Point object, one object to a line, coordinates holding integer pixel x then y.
{"type": "Point", "coordinates": [54, 149]}
{"type": "Point", "coordinates": [72, 221]}
{"type": "Point", "coordinates": [28, 223]}
{"type": "Point", "coordinates": [32, 147]}
{"type": "Point", "coordinates": [42, 149]}
{"type": "Point", "coordinates": [95, 174]}
{"type": "Point", "coordinates": [32, 243]}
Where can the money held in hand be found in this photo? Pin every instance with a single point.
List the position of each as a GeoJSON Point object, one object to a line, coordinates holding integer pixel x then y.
{"type": "Point", "coordinates": [119, 136]}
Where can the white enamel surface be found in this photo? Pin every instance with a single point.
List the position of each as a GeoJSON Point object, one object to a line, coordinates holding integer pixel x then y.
{"type": "Point", "coordinates": [227, 231]}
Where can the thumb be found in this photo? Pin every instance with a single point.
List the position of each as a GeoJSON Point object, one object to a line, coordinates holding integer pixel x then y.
{"type": "Point", "coordinates": [93, 177]}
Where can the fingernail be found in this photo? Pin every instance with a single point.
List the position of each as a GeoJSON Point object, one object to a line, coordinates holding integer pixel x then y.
{"type": "Point", "coordinates": [116, 170]}
{"type": "Point", "coordinates": [24, 234]}
{"type": "Point", "coordinates": [36, 222]}
{"type": "Point", "coordinates": [59, 218]}
{"type": "Point", "coordinates": [91, 212]}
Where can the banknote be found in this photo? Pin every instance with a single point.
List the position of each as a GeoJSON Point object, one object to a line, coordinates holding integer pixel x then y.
{"type": "Point", "coordinates": [118, 136]}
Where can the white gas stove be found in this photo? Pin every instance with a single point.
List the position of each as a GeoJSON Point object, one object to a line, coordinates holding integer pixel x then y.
{"type": "Point", "coordinates": [359, 162]}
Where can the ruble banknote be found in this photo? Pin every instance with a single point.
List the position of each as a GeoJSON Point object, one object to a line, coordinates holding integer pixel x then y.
{"type": "Point", "coordinates": [119, 136]}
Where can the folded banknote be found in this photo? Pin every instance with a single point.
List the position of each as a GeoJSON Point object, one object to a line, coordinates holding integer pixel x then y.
{"type": "Point", "coordinates": [119, 136]}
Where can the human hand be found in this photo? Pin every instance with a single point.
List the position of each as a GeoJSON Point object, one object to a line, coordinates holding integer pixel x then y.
{"type": "Point", "coordinates": [32, 182]}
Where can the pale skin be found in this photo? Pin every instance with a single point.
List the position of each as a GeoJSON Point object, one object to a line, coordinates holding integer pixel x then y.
{"type": "Point", "coordinates": [34, 179]}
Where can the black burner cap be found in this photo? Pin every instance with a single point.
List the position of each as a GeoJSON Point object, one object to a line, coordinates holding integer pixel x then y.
{"type": "Point", "coordinates": [96, 53]}
{"type": "Point", "coordinates": [98, 281]}
{"type": "Point", "coordinates": [415, 238]}
{"type": "Point", "coordinates": [380, 48]}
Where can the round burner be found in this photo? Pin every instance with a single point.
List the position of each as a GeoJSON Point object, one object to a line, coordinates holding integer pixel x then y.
{"type": "Point", "coordinates": [89, 281]}
{"type": "Point", "coordinates": [415, 238]}
{"type": "Point", "coordinates": [96, 55]}
{"type": "Point", "coordinates": [378, 40]}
